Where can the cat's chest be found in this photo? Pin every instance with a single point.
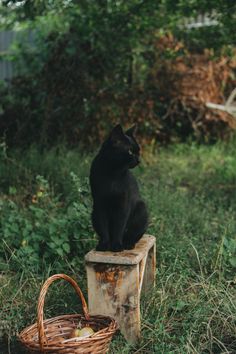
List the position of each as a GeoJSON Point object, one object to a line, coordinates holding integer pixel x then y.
{"type": "Point", "coordinates": [118, 187]}
{"type": "Point", "coordinates": [125, 187]}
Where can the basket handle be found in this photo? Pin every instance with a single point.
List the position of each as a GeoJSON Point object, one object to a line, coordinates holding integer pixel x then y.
{"type": "Point", "coordinates": [41, 300]}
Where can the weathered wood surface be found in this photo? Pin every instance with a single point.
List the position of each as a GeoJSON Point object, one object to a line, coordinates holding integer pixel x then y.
{"type": "Point", "coordinates": [150, 270]}
{"type": "Point", "coordinates": [114, 291]}
{"type": "Point", "coordinates": [114, 288]}
{"type": "Point", "coordinates": [133, 256]}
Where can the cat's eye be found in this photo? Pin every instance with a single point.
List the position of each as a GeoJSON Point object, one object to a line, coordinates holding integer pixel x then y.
{"type": "Point", "coordinates": [130, 152]}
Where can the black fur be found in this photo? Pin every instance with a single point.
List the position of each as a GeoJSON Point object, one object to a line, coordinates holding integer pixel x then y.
{"type": "Point", "coordinates": [119, 215]}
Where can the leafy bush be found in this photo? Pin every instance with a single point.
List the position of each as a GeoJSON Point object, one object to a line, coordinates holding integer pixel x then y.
{"type": "Point", "coordinates": [77, 67]}
{"type": "Point", "coordinates": [45, 229]}
{"type": "Point", "coordinates": [93, 64]}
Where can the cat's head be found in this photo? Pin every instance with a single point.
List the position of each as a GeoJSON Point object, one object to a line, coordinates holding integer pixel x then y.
{"type": "Point", "coordinates": [123, 147]}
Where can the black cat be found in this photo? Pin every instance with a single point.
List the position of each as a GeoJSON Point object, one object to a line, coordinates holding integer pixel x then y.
{"type": "Point", "coordinates": [119, 215]}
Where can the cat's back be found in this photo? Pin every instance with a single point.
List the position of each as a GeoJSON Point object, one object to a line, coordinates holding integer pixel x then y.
{"type": "Point", "coordinates": [98, 177]}
{"type": "Point", "coordinates": [94, 165]}
{"type": "Point", "coordinates": [95, 170]}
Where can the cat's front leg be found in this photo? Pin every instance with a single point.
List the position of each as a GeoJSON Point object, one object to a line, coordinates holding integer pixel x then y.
{"type": "Point", "coordinates": [100, 224]}
{"type": "Point", "coordinates": [117, 230]}
{"type": "Point", "coordinates": [136, 225]}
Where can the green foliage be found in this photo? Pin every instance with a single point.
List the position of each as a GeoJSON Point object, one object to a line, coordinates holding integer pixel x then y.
{"type": "Point", "coordinates": [90, 66]}
{"type": "Point", "coordinates": [196, 193]}
{"type": "Point", "coordinates": [45, 230]}
{"type": "Point", "coordinates": [190, 192]}
{"type": "Point", "coordinates": [221, 34]}
{"type": "Point", "coordinates": [81, 58]}
{"type": "Point", "coordinates": [49, 217]}
{"type": "Point", "coordinates": [185, 314]}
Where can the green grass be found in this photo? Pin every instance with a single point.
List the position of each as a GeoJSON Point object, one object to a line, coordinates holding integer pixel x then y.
{"type": "Point", "coordinates": [191, 195]}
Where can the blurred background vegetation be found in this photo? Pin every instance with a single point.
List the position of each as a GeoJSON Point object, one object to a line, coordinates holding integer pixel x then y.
{"type": "Point", "coordinates": [93, 63]}
{"type": "Point", "coordinates": [80, 66]}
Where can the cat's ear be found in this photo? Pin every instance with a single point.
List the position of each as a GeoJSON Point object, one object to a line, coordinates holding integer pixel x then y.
{"type": "Point", "coordinates": [131, 131]}
{"type": "Point", "coordinates": [117, 133]}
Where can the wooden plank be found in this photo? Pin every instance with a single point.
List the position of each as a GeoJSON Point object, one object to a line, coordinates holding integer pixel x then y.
{"type": "Point", "coordinates": [142, 266]}
{"type": "Point", "coordinates": [127, 257]}
{"type": "Point", "coordinates": [113, 290]}
{"type": "Point", "coordinates": [150, 270]}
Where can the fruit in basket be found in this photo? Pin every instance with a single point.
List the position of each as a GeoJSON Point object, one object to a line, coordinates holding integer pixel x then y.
{"type": "Point", "coordinates": [86, 332]}
{"type": "Point", "coordinates": [83, 332]}
{"type": "Point", "coordinates": [75, 333]}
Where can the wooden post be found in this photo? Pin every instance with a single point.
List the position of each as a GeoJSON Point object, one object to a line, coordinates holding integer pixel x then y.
{"type": "Point", "coordinates": [115, 281]}
{"type": "Point", "coordinates": [149, 274]}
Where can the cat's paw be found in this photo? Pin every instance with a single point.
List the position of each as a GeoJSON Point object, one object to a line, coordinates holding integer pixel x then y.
{"type": "Point", "coordinates": [129, 246]}
{"type": "Point", "coordinates": [102, 247]}
{"type": "Point", "coordinates": [117, 248]}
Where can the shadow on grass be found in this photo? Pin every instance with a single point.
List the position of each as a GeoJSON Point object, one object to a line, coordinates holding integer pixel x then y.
{"type": "Point", "coordinates": [12, 347]}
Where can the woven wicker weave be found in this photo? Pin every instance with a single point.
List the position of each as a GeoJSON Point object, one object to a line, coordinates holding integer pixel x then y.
{"type": "Point", "coordinates": [52, 335]}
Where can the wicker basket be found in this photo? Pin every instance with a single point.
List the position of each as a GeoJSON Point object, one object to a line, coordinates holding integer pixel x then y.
{"type": "Point", "coordinates": [52, 335]}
